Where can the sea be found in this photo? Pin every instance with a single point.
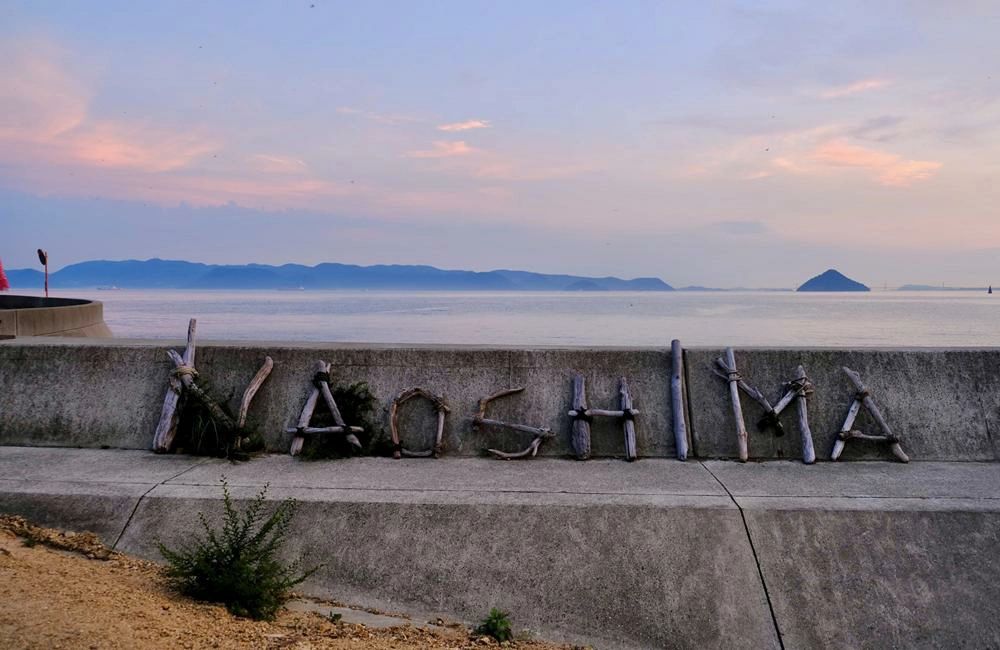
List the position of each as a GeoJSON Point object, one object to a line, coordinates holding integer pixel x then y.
{"type": "Point", "coordinates": [711, 318]}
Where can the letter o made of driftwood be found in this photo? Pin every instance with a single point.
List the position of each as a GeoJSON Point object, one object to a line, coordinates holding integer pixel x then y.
{"type": "Point", "coordinates": [442, 410]}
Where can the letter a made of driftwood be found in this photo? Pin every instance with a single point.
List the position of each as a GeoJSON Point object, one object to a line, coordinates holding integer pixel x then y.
{"type": "Point", "coordinates": [442, 410]}
{"type": "Point", "coordinates": [182, 380]}
{"type": "Point", "coordinates": [797, 390]}
{"type": "Point", "coordinates": [321, 387]}
{"type": "Point", "coordinates": [847, 432]}
{"type": "Point", "coordinates": [583, 416]}
{"type": "Point", "coordinates": [539, 434]}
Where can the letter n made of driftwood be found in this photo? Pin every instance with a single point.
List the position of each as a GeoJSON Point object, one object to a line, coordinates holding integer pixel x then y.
{"type": "Point", "coordinates": [442, 411]}
{"type": "Point", "coordinates": [797, 390]}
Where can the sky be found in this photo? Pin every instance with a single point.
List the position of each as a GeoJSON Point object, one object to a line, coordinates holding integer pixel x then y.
{"type": "Point", "coordinates": [705, 143]}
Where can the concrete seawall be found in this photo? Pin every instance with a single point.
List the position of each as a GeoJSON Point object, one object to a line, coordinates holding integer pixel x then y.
{"type": "Point", "coordinates": [945, 404]}
{"type": "Point", "coordinates": [867, 552]}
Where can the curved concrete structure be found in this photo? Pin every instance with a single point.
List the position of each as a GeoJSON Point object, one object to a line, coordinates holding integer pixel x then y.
{"type": "Point", "coordinates": [37, 316]}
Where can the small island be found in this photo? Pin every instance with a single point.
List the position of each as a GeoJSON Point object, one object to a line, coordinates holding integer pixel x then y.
{"type": "Point", "coordinates": [832, 280]}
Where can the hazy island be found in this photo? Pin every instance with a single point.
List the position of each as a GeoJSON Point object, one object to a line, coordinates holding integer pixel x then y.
{"type": "Point", "coordinates": [178, 274]}
{"type": "Point", "coordinates": [832, 280]}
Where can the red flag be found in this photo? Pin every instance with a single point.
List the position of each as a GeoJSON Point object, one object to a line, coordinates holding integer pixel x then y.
{"type": "Point", "coordinates": [4, 284]}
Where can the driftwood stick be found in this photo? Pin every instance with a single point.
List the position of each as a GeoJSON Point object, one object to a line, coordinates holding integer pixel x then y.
{"type": "Point", "coordinates": [524, 428]}
{"type": "Point", "coordinates": [303, 423]}
{"type": "Point", "coordinates": [252, 388]}
{"type": "Point", "coordinates": [442, 410]}
{"type": "Point", "coordinates": [603, 413]}
{"type": "Point", "coordinates": [852, 415]}
{"type": "Point", "coordinates": [166, 428]}
{"type": "Point", "coordinates": [317, 430]}
{"type": "Point", "coordinates": [802, 393]}
{"type": "Point", "coordinates": [855, 434]}
{"type": "Point", "coordinates": [734, 394]}
{"type": "Point", "coordinates": [581, 422]}
{"type": "Point", "coordinates": [629, 424]}
{"type": "Point", "coordinates": [677, 399]}
{"type": "Point", "coordinates": [322, 377]}
{"type": "Point", "coordinates": [483, 403]}
{"type": "Point", "coordinates": [869, 403]}
{"type": "Point", "coordinates": [529, 452]}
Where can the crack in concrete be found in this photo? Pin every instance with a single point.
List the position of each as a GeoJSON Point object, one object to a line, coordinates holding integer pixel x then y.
{"type": "Point", "coordinates": [756, 559]}
{"type": "Point", "coordinates": [143, 496]}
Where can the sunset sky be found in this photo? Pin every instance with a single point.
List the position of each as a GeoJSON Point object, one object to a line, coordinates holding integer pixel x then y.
{"type": "Point", "coordinates": [704, 143]}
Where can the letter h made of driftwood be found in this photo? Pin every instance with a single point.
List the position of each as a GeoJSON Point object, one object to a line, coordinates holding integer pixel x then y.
{"type": "Point", "coordinates": [583, 416]}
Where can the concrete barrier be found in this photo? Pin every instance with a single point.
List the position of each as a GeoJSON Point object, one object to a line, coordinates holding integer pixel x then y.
{"type": "Point", "coordinates": [78, 393]}
{"type": "Point", "coordinates": [36, 316]}
{"type": "Point", "coordinates": [651, 554]}
{"type": "Point", "coordinates": [944, 403]}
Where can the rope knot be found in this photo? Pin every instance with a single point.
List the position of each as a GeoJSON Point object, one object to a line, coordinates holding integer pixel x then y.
{"type": "Point", "coordinates": [180, 371]}
{"type": "Point", "coordinates": [321, 378]}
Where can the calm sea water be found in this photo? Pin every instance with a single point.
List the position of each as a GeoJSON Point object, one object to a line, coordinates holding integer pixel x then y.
{"type": "Point", "coordinates": [881, 318]}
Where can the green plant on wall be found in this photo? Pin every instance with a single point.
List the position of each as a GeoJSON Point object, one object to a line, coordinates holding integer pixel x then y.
{"type": "Point", "coordinates": [496, 625]}
{"type": "Point", "coordinates": [238, 566]}
{"type": "Point", "coordinates": [201, 433]}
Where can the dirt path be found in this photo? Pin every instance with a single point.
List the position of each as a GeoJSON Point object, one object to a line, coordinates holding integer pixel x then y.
{"type": "Point", "coordinates": [57, 593]}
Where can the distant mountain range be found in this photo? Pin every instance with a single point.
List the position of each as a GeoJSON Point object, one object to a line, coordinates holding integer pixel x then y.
{"type": "Point", "coordinates": [832, 280]}
{"type": "Point", "coordinates": [175, 274]}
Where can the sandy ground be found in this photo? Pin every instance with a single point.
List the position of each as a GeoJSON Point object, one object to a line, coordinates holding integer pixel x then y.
{"type": "Point", "coordinates": [69, 591]}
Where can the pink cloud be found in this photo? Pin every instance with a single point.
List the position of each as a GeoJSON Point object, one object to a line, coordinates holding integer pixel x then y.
{"type": "Point", "coordinates": [888, 168]}
{"type": "Point", "coordinates": [381, 118]}
{"type": "Point", "coordinates": [275, 164]}
{"type": "Point", "coordinates": [861, 86]}
{"type": "Point", "coordinates": [443, 149]}
{"type": "Point", "coordinates": [465, 126]}
{"type": "Point", "coordinates": [44, 117]}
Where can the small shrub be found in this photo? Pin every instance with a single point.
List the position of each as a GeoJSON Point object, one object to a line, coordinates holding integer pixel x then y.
{"type": "Point", "coordinates": [334, 617]}
{"type": "Point", "coordinates": [496, 625]}
{"type": "Point", "coordinates": [238, 566]}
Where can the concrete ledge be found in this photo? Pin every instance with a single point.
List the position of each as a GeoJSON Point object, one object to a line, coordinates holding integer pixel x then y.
{"type": "Point", "coordinates": [647, 554]}
{"type": "Point", "coordinates": [944, 403]}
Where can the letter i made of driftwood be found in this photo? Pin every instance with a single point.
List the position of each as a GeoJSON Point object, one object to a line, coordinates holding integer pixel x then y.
{"type": "Point", "coordinates": [538, 434]}
{"type": "Point", "coordinates": [677, 399]}
{"type": "Point", "coordinates": [847, 432]}
{"type": "Point", "coordinates": [182, 382]}
{"type": "Point", "coordinates": [321, 388]}
{"type": "Point", "coordinates": [583, 416]}
{"type": "Point", "coordinates": [442, 410]}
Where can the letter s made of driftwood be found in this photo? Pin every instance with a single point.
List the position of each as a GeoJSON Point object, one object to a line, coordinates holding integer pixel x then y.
{"type": "Point", "coordinates": [539, 434]}
{"type": "Point", "coordinates": [442, 411]}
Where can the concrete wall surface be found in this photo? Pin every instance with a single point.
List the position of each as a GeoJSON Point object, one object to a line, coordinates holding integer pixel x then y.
{"type": "Point", "coordinates": [944, 404]}
{"type": "Point", "coordinates": [653, 554]}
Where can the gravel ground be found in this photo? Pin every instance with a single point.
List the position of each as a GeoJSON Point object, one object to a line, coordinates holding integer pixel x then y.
{"type": "Point", "coordinates": [66, 590]}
